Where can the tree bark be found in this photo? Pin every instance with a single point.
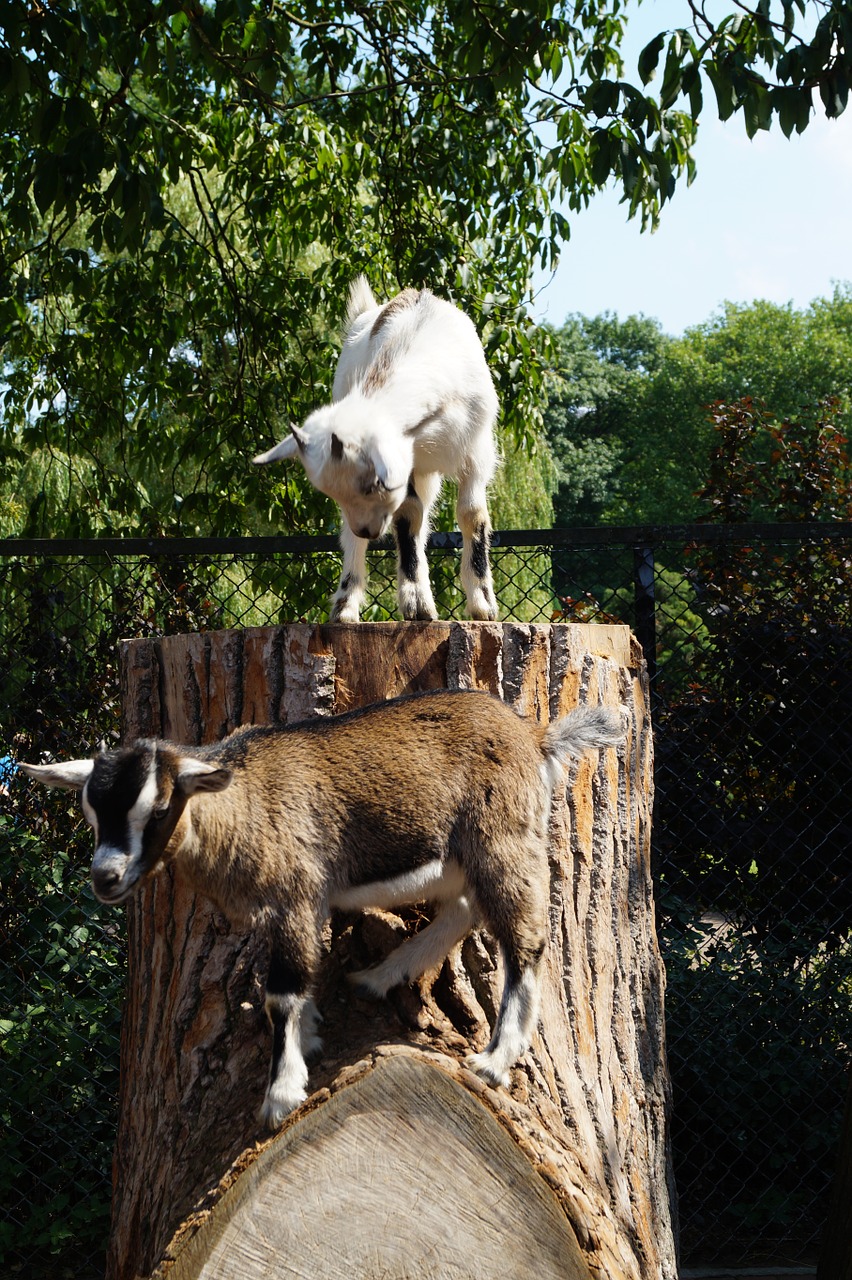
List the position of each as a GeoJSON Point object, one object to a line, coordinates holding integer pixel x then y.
{"type": "Point", "coordinates": [402, 1162]}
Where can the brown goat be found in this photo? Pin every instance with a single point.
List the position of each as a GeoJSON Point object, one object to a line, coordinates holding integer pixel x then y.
{"type": "Point", "coordinates": [441, 797]}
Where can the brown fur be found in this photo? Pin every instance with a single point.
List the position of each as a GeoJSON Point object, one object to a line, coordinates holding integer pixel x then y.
{"type": "Point", "coordinates": [440, 794]}
{"type": "Point", "coordinates": [407, 298]}
{"type": "Point", "coordinates": [366, 797]}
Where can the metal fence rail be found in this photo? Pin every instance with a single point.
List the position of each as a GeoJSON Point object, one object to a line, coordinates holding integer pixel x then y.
{"type": "Point", "coordinates": [747, 632]}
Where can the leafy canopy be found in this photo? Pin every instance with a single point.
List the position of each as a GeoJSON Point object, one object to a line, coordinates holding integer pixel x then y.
{"type": "Point", "coordinates": [627, 413]}
{"type": "Point", "coordinates": [188, 188]}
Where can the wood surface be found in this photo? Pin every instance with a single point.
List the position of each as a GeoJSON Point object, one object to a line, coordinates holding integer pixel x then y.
{"type": "Point", "coordinates": [323, 1187]}
{"type": "Point", "coordinates": [588, 1109]}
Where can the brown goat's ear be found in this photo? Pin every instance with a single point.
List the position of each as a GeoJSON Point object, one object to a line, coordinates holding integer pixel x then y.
{"type": "Point", "coordinates": [71, 776]}
{"type": "Point", "coordinates": [336, 447]}
{"type": "Point", "coordinates": [196, 775]}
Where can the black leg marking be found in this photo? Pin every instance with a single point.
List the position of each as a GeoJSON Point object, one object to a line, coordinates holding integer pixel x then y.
{"type": "Point", "coordinates": [348, 584]}
{"type": "Point", "coordinates": [407, 549]}
{"type": "Point", "coordinates": [286, 977]}
{"type": "Point", "coordinates": [479, 552]}
{"type": "Point", "coordinates": [278, 1023]}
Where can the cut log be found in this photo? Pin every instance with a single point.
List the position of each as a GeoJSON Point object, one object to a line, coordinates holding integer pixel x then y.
{"type": "Point", "coordinates": [402, 1162]}
{"type": "Point", "coordinates": [457, 1199]}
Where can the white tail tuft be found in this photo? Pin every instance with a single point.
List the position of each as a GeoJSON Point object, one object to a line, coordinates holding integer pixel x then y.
{"type": "Point", "coordinates": [582, 730]}
{"type": "Point", "coordinates": [360, 298]}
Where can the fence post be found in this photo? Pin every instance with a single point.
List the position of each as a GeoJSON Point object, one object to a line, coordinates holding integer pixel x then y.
{"type": "Point", "coordinates": [645, 626]}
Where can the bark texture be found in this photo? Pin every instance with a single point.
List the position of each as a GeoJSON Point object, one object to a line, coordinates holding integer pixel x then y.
{"type": "Point", "coordinates": [402, 1162]}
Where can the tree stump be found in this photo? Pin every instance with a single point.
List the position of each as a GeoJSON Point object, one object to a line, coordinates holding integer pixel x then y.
{"type": "Point", "coordinates": [402, 1162]}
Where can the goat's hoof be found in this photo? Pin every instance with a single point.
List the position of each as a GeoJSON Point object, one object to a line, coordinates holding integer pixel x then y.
{"type": "Point", "coordinates": [344, 615]}
{"type": "Point", "coordinates": [417, 607]}
{"type": "Point", "coordinates": [482, 606]}
{"type": "Point", "coordinates": [362, 985]}
{"type": "Point", "coordinates": [482, 1064]}
{"type": "Point", "coordinates": [276, 1108]}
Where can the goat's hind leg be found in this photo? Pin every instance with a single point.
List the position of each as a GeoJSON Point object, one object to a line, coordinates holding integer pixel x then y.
{"type": "Point", "coordinates": [418, 954]}
{"type": "Point", "coordinates": [516, 1022]}
{"type": "Point", "coordinates": [515, 909]}
{"type": "Point", "coordinates": [475, 525]}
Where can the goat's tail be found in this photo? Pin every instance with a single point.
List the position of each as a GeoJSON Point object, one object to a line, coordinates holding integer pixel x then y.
{"type": "Point", "coordinates": [581, 730]}
{"type": "Point", "coordinates": [360, 298]}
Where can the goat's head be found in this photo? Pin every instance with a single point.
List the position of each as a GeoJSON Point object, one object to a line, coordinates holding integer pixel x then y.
{"type": "Point", "coordinates": [365, 466]}
{"type": "Point", "coordinates": [135, 800]}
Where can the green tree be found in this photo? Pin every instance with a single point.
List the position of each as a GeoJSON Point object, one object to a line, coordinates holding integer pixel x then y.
{"type": "Point", "coordinates": [594, 390]}
{"type": "Point", "coordinates": [627, 412]}
{"type": "Point", "coordinates": [188, 187]}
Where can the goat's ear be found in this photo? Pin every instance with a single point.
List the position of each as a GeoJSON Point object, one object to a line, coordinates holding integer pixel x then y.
{"type": "Point", "coordinates": [71, 776]}
{"type": "Point", "coordinates": [197, 775]}
{"type": "Point", "coordinates": [392, 472]}
{"type": "Point", "coordinates": [290, 447]}
{"type": "Point", "coordinates": [301, 437]}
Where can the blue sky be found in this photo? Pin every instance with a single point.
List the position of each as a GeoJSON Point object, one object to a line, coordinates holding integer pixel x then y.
{"type": "Point", "coordinates": [767, 217]}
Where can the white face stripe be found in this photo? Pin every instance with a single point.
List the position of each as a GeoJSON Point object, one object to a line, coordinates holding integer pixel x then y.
{"type": "Point", "coordinates": [140, 813]}
{"type": "Point", "coordinates": [123, 864]}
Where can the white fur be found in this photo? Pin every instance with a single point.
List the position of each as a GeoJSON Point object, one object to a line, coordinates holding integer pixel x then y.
{"type": "Point", "coordinates": [435, 881]}
{"type": "Point", "coordinates": [513, 1032]}
{"type": "Point", "coordinates": [413, 401]}
{"type": "Point", "coordinates": [289, 1087]}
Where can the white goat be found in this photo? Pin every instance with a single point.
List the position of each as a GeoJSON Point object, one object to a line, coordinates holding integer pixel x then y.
{"type": "Point", "coordinates": [413, 401]}
{"type": "Point", "coordinates": [441, 797]}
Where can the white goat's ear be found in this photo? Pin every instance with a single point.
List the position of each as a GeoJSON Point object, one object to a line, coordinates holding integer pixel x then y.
{"type": "Point", "coordinates": [290, 447]}
{"type": "Point", "coordinates": [71, 776]}
{"type": "Point", "coordinates": [301, 437]}
{"type": "Point", "coordinates": [390, 471]}
{"type": "Point", "coordinates": [197, 775]}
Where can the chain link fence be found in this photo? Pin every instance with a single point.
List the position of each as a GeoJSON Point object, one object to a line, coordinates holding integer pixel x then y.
{"type": "Point", "coordinates": [748, 638]}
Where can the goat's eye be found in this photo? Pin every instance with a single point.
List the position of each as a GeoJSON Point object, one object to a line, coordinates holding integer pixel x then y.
{"type": "Point", "coordinates": [161, 813]}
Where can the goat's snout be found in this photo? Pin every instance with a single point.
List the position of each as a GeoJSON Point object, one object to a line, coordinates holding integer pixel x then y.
{"type": "Point", "coordinates": [106, 883]}
{"type": "Point", "coordinates": [113, 876]}
{"type": "Point", "coordinates": [374, 530]}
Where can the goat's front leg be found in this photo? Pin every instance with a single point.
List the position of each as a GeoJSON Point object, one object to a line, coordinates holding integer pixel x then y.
{"type": "Point", "coordinates": [411, 529]}
{"type": "Point", "coordinates": [475, 526]}
{"type": "Point", "coordinates": [349, 596]}
{"type": "Point", "coordinates": [293, 1017]}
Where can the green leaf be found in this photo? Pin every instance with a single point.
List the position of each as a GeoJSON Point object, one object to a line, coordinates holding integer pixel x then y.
{"type": "Point", "coordinates": [726, 96]}
{"type": "Point", "coordinates": [649, 58]}
{"type": "Point", "coordinates": [47, 185]}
